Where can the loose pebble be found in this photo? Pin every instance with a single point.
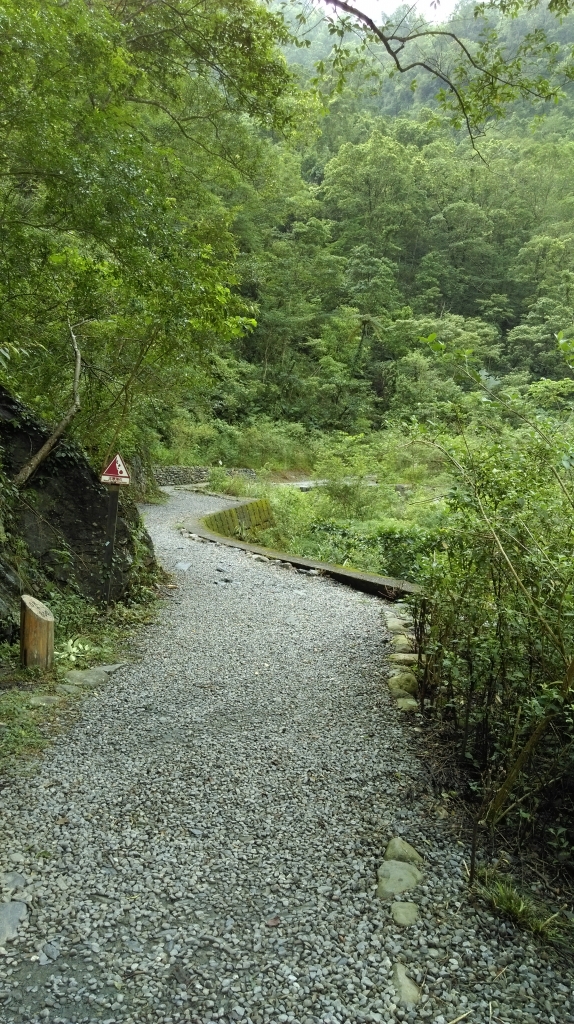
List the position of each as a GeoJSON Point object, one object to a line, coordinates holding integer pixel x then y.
{"type": "Point", "coordinates": [404, 914]}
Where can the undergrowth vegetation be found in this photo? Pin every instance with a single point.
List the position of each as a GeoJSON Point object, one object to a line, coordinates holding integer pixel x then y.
{"type": "Point", "coordinates": [533, 913]}
{"type": "Point", "coordinates": [261, 443]}
{"type": "Point", "coordinates": [480, 515]}
{"type": "Point", "coordinates": [376, 503]}
{"type": "Point", "coordinates": [496, 624]}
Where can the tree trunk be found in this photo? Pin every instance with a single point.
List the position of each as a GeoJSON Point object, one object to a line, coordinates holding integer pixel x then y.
{"type": "Point", "coordinates": [31, 466]}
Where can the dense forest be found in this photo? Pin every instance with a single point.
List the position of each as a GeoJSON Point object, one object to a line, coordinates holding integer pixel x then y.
{"type": "Point", "coordinates": [269, 247]}
{"type": "Point", "coordinates": [241, 243]}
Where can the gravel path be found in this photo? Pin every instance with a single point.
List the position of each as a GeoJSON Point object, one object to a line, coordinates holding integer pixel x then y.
{"type": "Point", "coordinates": [203, 843]}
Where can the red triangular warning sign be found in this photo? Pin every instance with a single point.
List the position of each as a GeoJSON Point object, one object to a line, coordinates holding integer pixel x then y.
{"type": "Point", "coordinates": [116, 472]}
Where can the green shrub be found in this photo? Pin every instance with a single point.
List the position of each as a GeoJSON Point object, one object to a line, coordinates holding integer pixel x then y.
{"type": "Point", "coordinates": [497, 626]}
{"type": "Point", "coordinates": [257, 445]}
{"type": "Point", "coordinates": [390, 547]}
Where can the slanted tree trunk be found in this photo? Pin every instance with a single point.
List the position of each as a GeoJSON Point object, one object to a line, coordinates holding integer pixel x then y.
{"type": "Point", "coordinates": [31, 466]}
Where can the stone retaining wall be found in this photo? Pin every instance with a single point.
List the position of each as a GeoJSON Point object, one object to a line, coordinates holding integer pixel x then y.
{"type": "Point", "coordinates": [174, 476]}
{"type": "Point", "coordinates": [232, 522]}
{"type": "Point", "coordinates": [227, 526]}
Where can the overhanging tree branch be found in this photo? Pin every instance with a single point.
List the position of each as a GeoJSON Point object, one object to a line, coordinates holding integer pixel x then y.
{"type": "Point", "coordinates": [31, 466]}
{"type": "Point", "coordinates": [501, 77]}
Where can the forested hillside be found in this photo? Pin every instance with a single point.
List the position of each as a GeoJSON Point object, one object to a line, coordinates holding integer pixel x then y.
{"type": "Point", "coordinates": [353, 257]}
{"type": "Point", "coordinates": [245, 242]}
{"type": "Point", "coordinates": [384, 227]}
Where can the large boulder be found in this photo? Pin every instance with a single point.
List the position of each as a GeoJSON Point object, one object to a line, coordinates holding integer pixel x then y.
{"type": "Point", "coordinates": [407, 992]}
{"type": "Point", "coordinates": [401, 680]}
{"type": "Point", "coordinates": [404, 914]}
{"type": "Point", "coordinates": [399, 849]}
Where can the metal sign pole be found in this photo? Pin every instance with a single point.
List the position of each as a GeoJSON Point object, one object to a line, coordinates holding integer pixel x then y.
{"type": "Point", "coordinates": [114, 495]}
{"type": "Point", "coordinates": [115, 476]}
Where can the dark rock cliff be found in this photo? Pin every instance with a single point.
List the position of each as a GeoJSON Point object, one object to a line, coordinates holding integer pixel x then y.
{"type": "Point", "coordinates": [53, 531]}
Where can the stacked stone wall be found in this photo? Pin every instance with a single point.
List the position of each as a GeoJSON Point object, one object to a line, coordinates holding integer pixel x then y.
{"type": "Point", "coordinates": [233, 522]}
{"type": "Point", "coordinates": [173, 476]}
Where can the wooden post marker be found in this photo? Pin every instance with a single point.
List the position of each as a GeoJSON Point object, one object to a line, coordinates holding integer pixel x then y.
{"type": "Point", "coordinates": [36, 634]}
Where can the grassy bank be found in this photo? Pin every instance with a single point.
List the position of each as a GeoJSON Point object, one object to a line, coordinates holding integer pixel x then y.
{"type": "Point", "coordinates": [85, 635]}
{"type": "Point", "coordinates": [482, 520]}
{"type": "Point", "coordinates": [378, 503]}
{"type": "Point", "coordinates": [260, 445]}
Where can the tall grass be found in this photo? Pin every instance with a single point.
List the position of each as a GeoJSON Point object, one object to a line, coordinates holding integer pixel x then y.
{"type": "Point", "coordinates": [262, 444]}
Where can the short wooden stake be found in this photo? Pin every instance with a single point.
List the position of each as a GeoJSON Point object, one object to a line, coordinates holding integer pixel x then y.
{"type": "Point", "coordinates": [36, 634]}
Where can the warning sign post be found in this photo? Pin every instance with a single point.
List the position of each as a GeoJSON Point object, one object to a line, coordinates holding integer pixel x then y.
{"type": "Point", "coordinates": [116, 472]}
{"type": "Point", "coordinates": [115, 476]}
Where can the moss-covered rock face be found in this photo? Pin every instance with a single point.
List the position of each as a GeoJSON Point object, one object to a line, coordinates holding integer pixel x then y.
{"type": "Point", "coordinates": [55, 527]}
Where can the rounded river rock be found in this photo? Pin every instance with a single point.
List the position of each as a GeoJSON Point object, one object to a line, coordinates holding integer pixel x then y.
{"type": "Point", "coordinates": [395, 877]}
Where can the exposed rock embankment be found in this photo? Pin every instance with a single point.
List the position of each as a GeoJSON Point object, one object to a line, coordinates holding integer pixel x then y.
{"type": "Point", "coordinates": [53, 531]}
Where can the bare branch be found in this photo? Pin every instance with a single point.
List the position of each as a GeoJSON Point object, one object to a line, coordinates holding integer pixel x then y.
{"type": "Point", "coordinates": [395, 46]}
{"type": "Point", "coordinates": [31, 466]}
{"type": "Point", "coordinates": [387, 40]}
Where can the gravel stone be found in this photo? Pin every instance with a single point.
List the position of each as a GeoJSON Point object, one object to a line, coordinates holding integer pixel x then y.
{"type": "Point", "coordinates": [11, 916]}
{"type": "Point", "coordinates": [249, 765]}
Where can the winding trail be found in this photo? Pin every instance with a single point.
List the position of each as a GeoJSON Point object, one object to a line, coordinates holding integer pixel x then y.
{"type": "Point", "coordinates": [203, 843]}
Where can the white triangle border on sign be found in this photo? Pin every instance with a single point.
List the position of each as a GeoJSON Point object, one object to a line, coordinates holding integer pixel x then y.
{"type": "Point", "coordinates": [121, 466]}
{"type": "Point", "coordinates": [122, 477]}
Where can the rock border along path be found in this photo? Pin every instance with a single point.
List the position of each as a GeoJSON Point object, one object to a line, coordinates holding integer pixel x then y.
{"type": "Point", "coordinates": [207, 841]}
{"type": "Point", "coordinates": [371, 583]}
